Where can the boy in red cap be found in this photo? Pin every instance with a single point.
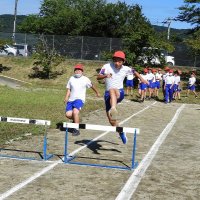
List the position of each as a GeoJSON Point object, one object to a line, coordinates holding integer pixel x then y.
{"type": "Point", "coordinates": [114, 74]}
{"type": "Point", "coordinates": [76, 94]}
{"type": "Point", "coordinates": [168, 87]}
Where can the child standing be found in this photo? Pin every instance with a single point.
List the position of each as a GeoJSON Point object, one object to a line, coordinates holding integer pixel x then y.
{"type": "Point", "coordinates": [168, 87]}
{"type": "Point", "coordinates": [177, 85]}
{"type": "Point", "coordinates": [129, 84]}
{"type": "Point", "coordinates": [76, 94]}
{"type": "Point", "coordinates": [191, 85]}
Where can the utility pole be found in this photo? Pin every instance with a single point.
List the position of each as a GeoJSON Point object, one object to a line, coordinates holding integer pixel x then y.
{"type": "Point", "coordinates": [168, 22]}
{"type": "Point", "coordinates": [15, 19]}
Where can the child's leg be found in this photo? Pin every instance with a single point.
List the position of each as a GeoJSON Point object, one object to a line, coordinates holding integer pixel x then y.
{"type": "Point", "coordinates": [68, 114]}
{"type": "Point", "coordinates": [188, 91]}
{"type": "Point", "coordinates": [114, 95]}
{"type": "Point", "coordinates": [75, 115]}
{"type": "Point", "coordinates": [195, 93]}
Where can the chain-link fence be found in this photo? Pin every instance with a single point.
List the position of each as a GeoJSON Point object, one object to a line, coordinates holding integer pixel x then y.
{"type": "Point", "coordinates": [92, 48]}
{"type": "Point", "coordinates": [80, 47]}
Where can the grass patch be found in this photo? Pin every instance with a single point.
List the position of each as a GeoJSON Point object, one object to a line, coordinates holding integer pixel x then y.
{"type": "Point", "coordinates": [35, 104]}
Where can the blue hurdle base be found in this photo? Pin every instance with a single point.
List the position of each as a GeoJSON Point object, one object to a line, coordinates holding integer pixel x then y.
{"type": "Point", "coordinates": [100, 166]}
{"type": "Point", "coordinates": [45, 156]}
{"type": "Point", "coordinates": [69, 159]}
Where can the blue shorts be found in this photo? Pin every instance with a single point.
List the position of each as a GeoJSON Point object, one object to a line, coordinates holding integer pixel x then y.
{"type": "Point", "coordinates": [191, 87]}
{"type": "Point", "coordinates": [143, 86]}
{"type": "Point", "coordinates": [158, 84]}
{"type": "Point", "coordinates": [129, 83]}
{"type": "Point", "coordinates": [150, 85]}
{"type": "Point", "coordinates": [78, 104]}
{"type": "Point", "coordinates": [107, 98]}
{"type": "Point", "coordinates": [153, 85]}
{"type": "Point", "coordinates": [175, 88]}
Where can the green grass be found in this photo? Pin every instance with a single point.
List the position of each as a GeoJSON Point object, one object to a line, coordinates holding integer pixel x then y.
{"type": "Point", "coordinates": [35, 104]}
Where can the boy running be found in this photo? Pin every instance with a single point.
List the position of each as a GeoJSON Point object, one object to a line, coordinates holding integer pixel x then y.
{"type": "Point", "coordinates": [76, 94]}
{"type": "Point", "coordinates": [114, 74]}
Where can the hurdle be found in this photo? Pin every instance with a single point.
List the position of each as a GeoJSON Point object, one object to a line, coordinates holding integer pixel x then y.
{"type": "Point", "coordinates": [68, 159]}
{"type": "Point", "coordinates": [45, 123]}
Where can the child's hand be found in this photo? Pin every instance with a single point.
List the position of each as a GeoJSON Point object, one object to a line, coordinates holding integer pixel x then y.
{"type": "Point", "coordinates": [98, 94]}
{"type": "Point", "coordinates": [109, 75]}
{"type": "Point", "coordinates": [65, 100]}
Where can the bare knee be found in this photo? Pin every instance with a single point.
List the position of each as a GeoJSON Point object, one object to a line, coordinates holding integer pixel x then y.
{"type": "Point", "coordinates": [68, 114]}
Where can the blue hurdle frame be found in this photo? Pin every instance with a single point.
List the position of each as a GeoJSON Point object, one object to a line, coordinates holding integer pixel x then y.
{"type": "Point", "coordinates": [45, 144]}
{"type": "Point", "coordinates": [69, 159]}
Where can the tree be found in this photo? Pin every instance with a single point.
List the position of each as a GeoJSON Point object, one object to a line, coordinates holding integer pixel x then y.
{"type": "Point", "coordinates": [46, 58]}
{"type": "Point", "coordinates": [193, 42]}
{"type": "Point", "coordinates": [190, 13]}
{"type": "Point", "coordinates": [139, 33]}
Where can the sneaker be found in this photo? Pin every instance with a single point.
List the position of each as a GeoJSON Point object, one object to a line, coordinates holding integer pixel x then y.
{"type": "Point", "coordinates": [196, 97]}
{"type": "Point", "coordinates": [75, 132]}
{"type": "Point", "coordinates": [123, 137]}
{"type": "Point", "coordinates": [113, 113]}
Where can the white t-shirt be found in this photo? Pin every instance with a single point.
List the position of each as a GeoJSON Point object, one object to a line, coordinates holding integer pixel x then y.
{"type": "Point", "coordinates": [192, 81]}
{"type": "Point", "coordinates": [177, 80]}
{"type": "Point", "coordinates": [169, 80]}
{"type": "Point", "coordinates": [78, 87]}
{"type": "Point", "coordinates": [144, 76]}
{"type": "Point", "coordinates": [130, 76]}
{"type": "Point", "coordinates": [158, 76]}
{"type": "Point", "coordinates": [165, 75]}
{"type": "Point", "coordinates": [150, 76]}
{"type": "Point", "coordinates": [118, 75]}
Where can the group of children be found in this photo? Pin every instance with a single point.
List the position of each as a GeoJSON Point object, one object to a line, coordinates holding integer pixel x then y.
{"type": "Point", "coordinates": [169, 81]}
{"type": "Point", "coordinates": [114, 74]}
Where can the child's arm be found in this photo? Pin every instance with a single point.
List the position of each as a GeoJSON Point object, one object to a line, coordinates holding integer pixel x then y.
{"type": "Point", "coordinates": [67, 96]}
{"type": "Point", "coordinates": [95, 90]}
{"type": "Point", "coordinates": [140, 77]}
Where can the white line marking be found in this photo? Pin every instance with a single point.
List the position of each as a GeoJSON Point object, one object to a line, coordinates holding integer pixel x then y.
{"type": "Point", "coordinates": [46, 169]}
{"type": "Point", "coordinates": [134, 180]}
{"type": "Point", "coordinates": [15, 79]}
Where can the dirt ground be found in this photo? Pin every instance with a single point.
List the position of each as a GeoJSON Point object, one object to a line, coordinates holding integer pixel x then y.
{"type": "Point", "coordinates": [174, 172]}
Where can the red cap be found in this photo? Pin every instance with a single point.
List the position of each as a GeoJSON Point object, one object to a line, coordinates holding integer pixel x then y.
{"type": "Point", "coordinates": [78, 66]}
{"type": "Point", "coordinates": [167, 69]}
{"type": "Point", "coordinates": [145, 70]}
{"type": "Point", "coordinates": [154, 70]}
{"type": "Point", "coordinates": [119, 54]}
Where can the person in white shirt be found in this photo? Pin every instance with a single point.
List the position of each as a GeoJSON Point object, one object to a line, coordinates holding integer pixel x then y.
{"type": "Point", "coordinates": [191, 85]}
{"type": "Point", "coordinates": [169, 83]}
{"type": "Point", "coordinates": [164, 77]}
{"type": "Point", "coordinates": [158, 80]}
{"type": "Point", "coordinates": [114, 74]}
{"type": "Point", "coordinates": [143, 86]}
{"type": "Point", "coordinates": [150, 78]}
{"type": "Point", "coordinates": [76, 94]}
{"type": "Point", "coordinates": [177, 85]}
{"type": "Point", "coordinates": [129, 84]}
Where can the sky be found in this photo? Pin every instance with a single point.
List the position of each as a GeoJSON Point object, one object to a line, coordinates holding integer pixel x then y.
{"type": "Point", "coordinates": [157, 11]}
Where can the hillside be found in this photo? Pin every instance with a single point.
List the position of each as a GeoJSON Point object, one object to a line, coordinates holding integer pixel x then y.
{"type": "Point", "coordinates": [6, 22]}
